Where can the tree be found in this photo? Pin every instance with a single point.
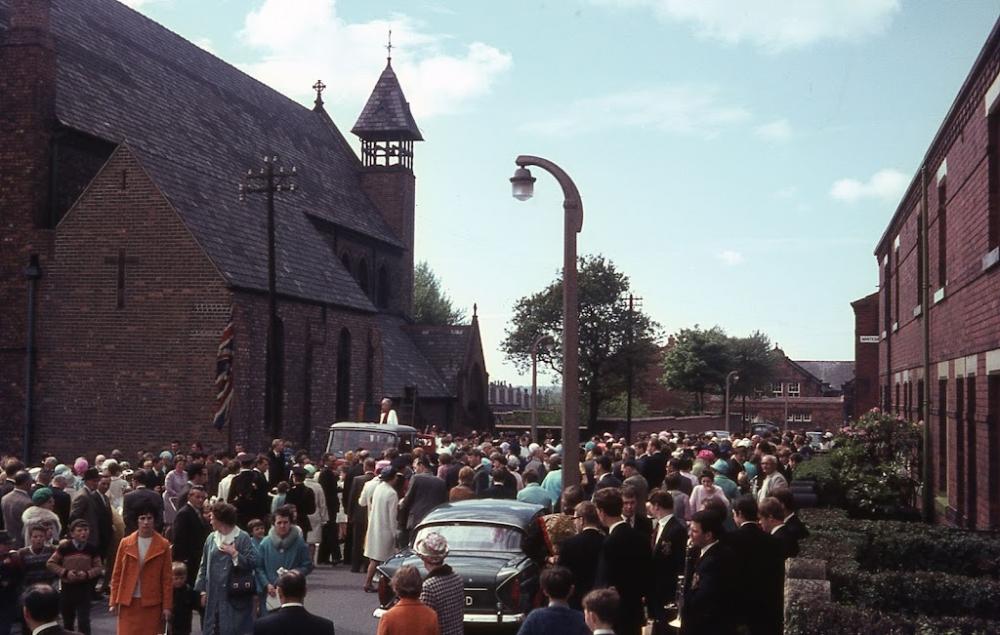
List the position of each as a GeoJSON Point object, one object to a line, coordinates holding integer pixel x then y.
{"type": "Point", "coordinates": [698, 362]}
{"type": "Point", "coordinates": [701, 358]}
{"type": "Point", "coordinates": [430, 304]}
{"type": "Point", "coordinates": [606, 330]}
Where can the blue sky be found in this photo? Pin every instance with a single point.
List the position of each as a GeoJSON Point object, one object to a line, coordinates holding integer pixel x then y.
{"type": "Point", "coordinates": [738, 159]}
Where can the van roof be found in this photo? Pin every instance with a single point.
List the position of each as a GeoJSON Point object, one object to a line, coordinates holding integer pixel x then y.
{"type": "Point", "coordinates": [381, 427]}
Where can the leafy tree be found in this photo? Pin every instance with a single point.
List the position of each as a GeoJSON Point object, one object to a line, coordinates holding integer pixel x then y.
{"type": "Point", "coordinates": [611, 338]}
{"type": "Point", "coordinates": [698, 362]}
{"type": "Point", "coordinates": [754, 359]}
{"type": "Point", "coordinates": [431, 305]}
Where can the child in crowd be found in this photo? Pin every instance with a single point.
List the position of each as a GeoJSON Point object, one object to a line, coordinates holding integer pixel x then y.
{"type": "Point", "coordinates": [258, 531]}
{"type": "Point", "coordinates": [185, 601]}
{"type": "Point", "coordinates": [35, 558]}
{"type": "Point", "coordinates": [77, 563]}
{"type": "Point", "coordinates": [10, 583]}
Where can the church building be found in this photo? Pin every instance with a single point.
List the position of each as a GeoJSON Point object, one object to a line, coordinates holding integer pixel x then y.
{"type": "Point", "coordinates": [136, 172]}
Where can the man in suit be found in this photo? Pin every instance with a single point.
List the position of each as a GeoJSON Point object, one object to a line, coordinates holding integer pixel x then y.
{"type": "Point", "coordinates": [653, 466]}
{"type": "Point", "coordinates": [710, 588]}
{"type": "Point", "coordinates": [329, 547]}
{"type": "Point", "coordinates": [577, 552]}
{"type": "Point", "coordinates": [772, 478]}
{"type": "Point", "coordinates": [602, 474]}
{"type": "Point", "coordinates": [426, 492]}
{"type": "Point", "coordinates": [277, 467]}
{"type": "Point", "coordinates": [634, 515]}
{"type": "Point", "coordinates": [292, 617]}
{"type": "Point", "coordinates": [780, 546]}
{"type": "Point", "coordinates": [86, 506]}
{"type": "Point", "coordinates": [141, 497]}
{"type": "Point", "coordinates": [13, 505]}
{"type": "Point", "coordinates": [356, 467]}
{"type": "Point", "coordinates": [684, 484]}
{"type": "Point", "coordinates": [190, 531]}
{"type": "Point", "coordinates": [248, 493]}
{"type": "Point", "coordinates": [750, 543]}
{"type": "Point", "coordinates": [624, 561]}
{"type": "Point", "coordinates": [669, 545]}
{"type": "Point", "coordinates": [40, 604]}
{"type": "Point", "coordinates": [358, 515]}
{"type": "Point", "coordinates": [793, 524]}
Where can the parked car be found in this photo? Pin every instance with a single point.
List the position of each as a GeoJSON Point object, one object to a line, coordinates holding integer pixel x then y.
{"type": "Point", "coordinates": [374, 437]}
{"type": "Point", "coordinates": [721, 435]}
{"type": "Point", "coordinates": [765, 427]}
{"type": "Point", "coordinates": [486, 543]}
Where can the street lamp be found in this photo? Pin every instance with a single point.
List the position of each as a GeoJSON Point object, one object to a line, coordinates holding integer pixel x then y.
{"type": "Point", "coordinates": [731, 378]}
{"type": "Point", "coordinates": [522, 188]}
{"type": "Point", "coordinates": [534, 383]}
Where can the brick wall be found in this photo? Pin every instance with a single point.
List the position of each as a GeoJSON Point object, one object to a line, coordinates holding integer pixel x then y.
{"type": "Point", "coordinates": [965, 315]}
{"type": "Point", "coordinates": [866, 380]}
{"type": "Point", "coordinates": [393, 191]}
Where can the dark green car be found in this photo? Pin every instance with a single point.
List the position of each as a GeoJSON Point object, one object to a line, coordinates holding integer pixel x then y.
{"type": "Point", "coordinates": [487, 542]}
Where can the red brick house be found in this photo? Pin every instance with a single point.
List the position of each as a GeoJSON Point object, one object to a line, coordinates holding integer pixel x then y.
{"type": "Point", "coordinates": [121, 148]}
{"type": "Point", "coordinates": [959, 182]}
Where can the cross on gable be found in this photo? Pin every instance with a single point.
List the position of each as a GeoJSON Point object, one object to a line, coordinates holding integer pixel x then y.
{"type": "Point", "coordinates": [121, 260]}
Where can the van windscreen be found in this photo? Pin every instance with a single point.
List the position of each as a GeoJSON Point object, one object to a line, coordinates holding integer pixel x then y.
{"type": "Point", "coordinates": [344, 440]}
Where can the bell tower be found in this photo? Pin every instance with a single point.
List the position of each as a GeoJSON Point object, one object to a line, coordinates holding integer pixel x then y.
{"type": "Point", "coordinates": [388, 131]}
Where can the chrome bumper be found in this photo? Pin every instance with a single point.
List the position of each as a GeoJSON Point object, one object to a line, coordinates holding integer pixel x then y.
{"type": "Point", "coordinates": [474, 618]}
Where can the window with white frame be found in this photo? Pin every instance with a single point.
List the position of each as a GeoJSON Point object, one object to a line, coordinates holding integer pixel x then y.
{"type": "Point", "coordinates": [776, 389]}
{"type": "Point", "coordinates": [798, 416]}
{"type": "Point", "coordinates": [794, 389]}
{"type": "Point", "coordinates": [807, 416]}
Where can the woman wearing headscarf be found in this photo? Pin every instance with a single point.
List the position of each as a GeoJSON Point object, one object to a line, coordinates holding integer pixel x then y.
{"type": "Point", "coordinates": [42, 514]}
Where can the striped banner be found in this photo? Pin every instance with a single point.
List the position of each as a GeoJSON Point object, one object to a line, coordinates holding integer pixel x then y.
{"type": "Point", "coordinates": [224, 378]}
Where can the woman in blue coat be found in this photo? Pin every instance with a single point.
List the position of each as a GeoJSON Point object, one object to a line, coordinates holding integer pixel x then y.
{"type": "Point", "coordinates": [226, 548]}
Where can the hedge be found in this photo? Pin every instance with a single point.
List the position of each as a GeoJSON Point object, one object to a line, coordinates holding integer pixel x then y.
{"type": "Point", "coordinates": [831, 617]}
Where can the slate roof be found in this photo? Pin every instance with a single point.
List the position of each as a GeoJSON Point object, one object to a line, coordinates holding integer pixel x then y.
{"type": "Point", "coordinates": [404, 365]}
{"type": "Point", "coordinates": [197, 124]}
{"type": "Point", "coordinates": [833, 373]}
{"type": "Point", "coordinates": [445, 347]}
{"type": "Point", "coordinates": [387, 116]}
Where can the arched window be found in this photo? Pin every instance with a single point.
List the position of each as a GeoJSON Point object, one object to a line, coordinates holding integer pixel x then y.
{"type": "Point", "coordinates": [346, 259]}
{"type": "Point", "coordinates": [363, 276]}
{"type": "Point", "coordinates": [343, 405]}
{"type": "Point", "coordinates": [383, 288]}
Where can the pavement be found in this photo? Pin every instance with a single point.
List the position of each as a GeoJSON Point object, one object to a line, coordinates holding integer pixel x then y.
{"type": "Point", "coordinates": [333, 592]}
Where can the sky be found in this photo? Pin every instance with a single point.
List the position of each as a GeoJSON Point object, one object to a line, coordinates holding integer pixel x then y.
{"type": "Point", "coordinates": [737, 159]}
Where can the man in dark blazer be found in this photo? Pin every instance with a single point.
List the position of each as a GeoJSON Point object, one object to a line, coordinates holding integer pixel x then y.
{"type": "Point", "coordinates": [40, 604]}
{"type": "Point", "coordinates": [426, 492]}
{"type": "Point", "coordinates": [709, 591]}
{"type": "Point", "coordinates": [356, 468]}
{"type": "Point", "coordinates": [277, 466]}
{"type": "Point", "coordinates": [793, 524]}
{"type": "Point", "coordinates": [576, 553]}
{"type": "Point", "coordinates": [602, 474]}
{"type": "Point", "coordinates": [86, 505]}
{"type": "Point", "coordinates": [754, 569]}
{"type": "Point", "coordinates": [780, 545]}
{"type": "Point", "coordinates": [669, 545]}
{"type": "Point", "coordinates": [358, 515]}
{"type": "Point", "coordinates": [623, 563]}
{"type": "Point", "coordinates": [249, 493]}
{"type": "Point", "coordinates": [329, 547]}
{"type": "Point", "coordinates": [634, 515]}
{"type": "Point", "coordinates": [292, 617]}
{"type": "Point", "coordinates": [141, 497]}
{"type": "Point", "coordinates": [653, 465]}
{"type": "Point", "coordinates": [190, 531]}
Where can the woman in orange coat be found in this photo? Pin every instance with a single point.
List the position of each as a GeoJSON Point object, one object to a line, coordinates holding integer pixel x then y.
{"type": "Point", "coordinates": [410, 616]}
{"type": "Point", "coordinates": [142, 581]}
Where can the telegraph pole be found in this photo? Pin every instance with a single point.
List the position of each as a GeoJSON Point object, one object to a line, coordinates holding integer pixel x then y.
{"type": "Point", "coordinates": [270, 180]}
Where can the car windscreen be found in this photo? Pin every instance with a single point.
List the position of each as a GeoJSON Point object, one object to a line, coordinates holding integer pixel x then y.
{"type": "Point", "coordinates": [474, 537]}
{"type": "Point", "coordinates": [344, 440]}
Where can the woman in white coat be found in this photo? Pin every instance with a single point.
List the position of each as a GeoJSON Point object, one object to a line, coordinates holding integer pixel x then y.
{"type": "Point", "coordinates": [380, 542]}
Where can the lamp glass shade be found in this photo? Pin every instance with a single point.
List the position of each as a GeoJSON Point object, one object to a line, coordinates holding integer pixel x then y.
{"type": "Point", "coordinates": [522, 184]}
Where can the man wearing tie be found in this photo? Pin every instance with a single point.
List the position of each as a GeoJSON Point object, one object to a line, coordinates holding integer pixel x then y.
{"type": "Point", "coordinates": [710, 588]}
{"type": "Point", "coordinates": [669, 544]}
{"type": "Point", "coordinates": [624, 562]}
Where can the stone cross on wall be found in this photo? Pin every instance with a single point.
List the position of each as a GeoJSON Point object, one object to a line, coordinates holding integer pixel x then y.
{"type": "Point", "coordinates": [121, 261]}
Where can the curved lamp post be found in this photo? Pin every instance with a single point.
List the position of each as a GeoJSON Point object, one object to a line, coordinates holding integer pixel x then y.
{"type": "Point", "coordinates": [534, 383]}
{"type": "Point", "coordinates": [523, 186]}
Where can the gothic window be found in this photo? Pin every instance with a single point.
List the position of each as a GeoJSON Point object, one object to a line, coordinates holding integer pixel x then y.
{"type": "Point", "coordinates": [383, 288]}
{"type": "Point", "coordinates": [363, 276]}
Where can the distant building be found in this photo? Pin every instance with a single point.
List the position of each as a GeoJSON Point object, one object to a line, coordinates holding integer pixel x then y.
{"type": "Point", "coordinates": [959, 183]}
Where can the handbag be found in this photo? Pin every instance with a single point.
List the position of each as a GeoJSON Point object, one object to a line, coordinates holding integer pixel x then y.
{"type": "Point", "coordinates": [241, 583]}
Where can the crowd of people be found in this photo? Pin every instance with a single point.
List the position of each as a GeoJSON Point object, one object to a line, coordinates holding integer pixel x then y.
{"type": "Point", "coordinates": [673, 522]}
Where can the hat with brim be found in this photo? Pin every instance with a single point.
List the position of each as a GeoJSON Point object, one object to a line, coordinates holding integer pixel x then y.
{"type": "Point", "coordinates": [433, 546]}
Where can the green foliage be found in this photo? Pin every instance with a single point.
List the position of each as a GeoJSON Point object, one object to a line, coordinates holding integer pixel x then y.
{"type": "Point", "coordinates": [701, 358]}
{"type": "Point", "coordinates": [431, 305]}
{"type": "Point", "coordinates": [831, 617]}
{"type": "Point", "coordinates": [617, 407]}
{"type": "Point", "coordinates": [612, 339]}
{"type": "Point", "coordinates": [820, 469]}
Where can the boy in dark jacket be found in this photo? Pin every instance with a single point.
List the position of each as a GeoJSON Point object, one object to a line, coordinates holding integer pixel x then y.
{"type": "Point", "coordinates": [185, 601]}
{"type": "Point", "coordinates": [77, 563]}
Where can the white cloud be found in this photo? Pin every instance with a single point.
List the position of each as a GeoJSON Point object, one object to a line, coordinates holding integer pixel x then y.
{"type": "Point", "coordinates": [302, 40]}
{"type": "Point", "coordinates": [774, 25]}
{"type": "Point", "coordinates": [730, 257]}
{"type": "Point", "coordinates": [776, 131]}
{"type": "Point", "coordinates": [681, 109]}
{"type": "Point", "coordinates": [885, 185]}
